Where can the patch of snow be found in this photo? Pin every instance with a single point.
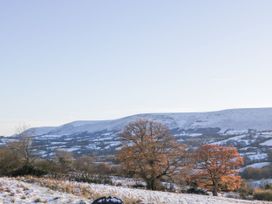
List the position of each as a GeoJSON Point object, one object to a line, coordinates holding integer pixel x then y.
{"type": "Point", "coordinates": [14, 191]}
{"type": "Point", "coordinates": [71, 149]}
{"type": "Point", "coordinates": [55, 143]}
{"type": "Point", "coordinates": [256, 157]}
{"type": "Point", "coordinates": [235, 132]}
{"type": "Point", "coordinates": [267, 143]}
{"type": "Point", "coordinates": [259, 183]}
{"type": "Point", "coordinates": [50, 136]}
{"type": "Point", "coordinates": [236, 138]}
{"type": "Point", "coordinates": [195, 134]}
{"type": "Point", "coordinates": [256, 165]}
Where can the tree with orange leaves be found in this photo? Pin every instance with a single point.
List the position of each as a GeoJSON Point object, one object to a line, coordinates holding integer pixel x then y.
{"type": "Point", "coordinates": [217, 168]}
{"type": "Point", "coordinates": [150, 152]}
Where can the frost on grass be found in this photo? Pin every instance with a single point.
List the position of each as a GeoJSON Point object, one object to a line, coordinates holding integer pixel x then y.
{"type": "Point", "coordinates": [14, 191]}
{"type": "Point", "coordinates": [73, 192]}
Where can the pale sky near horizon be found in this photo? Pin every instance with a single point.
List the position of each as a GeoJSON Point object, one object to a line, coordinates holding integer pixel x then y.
{"type": "Point", "coordinates": [67, 60]}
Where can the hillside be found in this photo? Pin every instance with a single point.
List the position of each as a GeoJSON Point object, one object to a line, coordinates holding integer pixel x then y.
{"type": "Point", "coordinates": [250, 130]}
{"type": "Point", "coordinates": [34, 191]}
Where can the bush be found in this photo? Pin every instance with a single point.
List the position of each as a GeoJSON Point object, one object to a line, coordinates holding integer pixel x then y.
{"type": "Point", "coordinates": [257, 173]}
{"type": "Point", "coordinates": [28, 170]}
{"type": "Point", "coordinates": [245, 191]}
{"type": "Point", "coordinates": [98, 179]}
{"type": "Point", "coordinates": [138, 185]}
{"type": "Point", "coordinates": [263, 195]}
{"type": "Point", "coordinates": [197, 191]}
{"type": "Point", "coordinates": [268, 186]}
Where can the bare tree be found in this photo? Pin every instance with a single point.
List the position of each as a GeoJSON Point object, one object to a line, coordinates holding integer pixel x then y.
{"type": "Point", "coordinates": [84, 164]}
{"type": "Point", "coordinates": [22, 147]}
{"type": "Point", "coordinates": [64, 161]}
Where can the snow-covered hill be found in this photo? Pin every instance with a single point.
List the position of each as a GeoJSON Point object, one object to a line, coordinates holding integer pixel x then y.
{"type": "Point", "coordinates": [248, 129]}
{"type": "Point", "coordinates": [16, 191]}
{"type": "Point", "coordinates": [236, 119]}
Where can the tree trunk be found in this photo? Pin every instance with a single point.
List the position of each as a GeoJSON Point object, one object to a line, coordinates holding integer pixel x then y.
{"type": "Point", "coordinates": [215, 189]}
{"type": "Point", "coordinates": [150, 184]}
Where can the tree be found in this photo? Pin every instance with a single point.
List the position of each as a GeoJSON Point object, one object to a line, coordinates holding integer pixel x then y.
{"type": "Point", "coordinates": [84, 164]}
{"type": "Point", "coordinates": [22, 150]}
{"type": "Point", "coordinates": [17, 156]}
{"type": "Point", "coordinates": [269, 153]}
{"type": "Point", "coordinates": [64, 161]}
{"type": "Point", "coordinates": [217, 167]}
{"type": "Point", "coordinates": [150, 152]}
{"type": "Point", "coordinates": [8, 161]}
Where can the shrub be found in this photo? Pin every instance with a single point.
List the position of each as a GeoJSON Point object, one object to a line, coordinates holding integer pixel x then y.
{"type": "Point", "coordinates": [260, 194]}
{"type": "Point", "coordinates": [268, 186]}
{"type": "Point", "coordinates": [77, 189]}
{"type": "Point", "coordinates": [98, 179]}
{"type": "Point", "coordinates": [245, 191]}
{"type": "Point", "coordinates": [197, 191]}
{"type": "Point", "coordinates": [138, 185]}
{"type": "Point", "coordinates": [257, 173]}
{"type": "Point", "coordinates": [28, 170]}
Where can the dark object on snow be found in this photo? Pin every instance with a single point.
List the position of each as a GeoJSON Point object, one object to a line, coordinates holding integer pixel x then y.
{"type": "Point", "coordinates": [108, 200]}
{"type": "Point", "coordinates": [197, 191]}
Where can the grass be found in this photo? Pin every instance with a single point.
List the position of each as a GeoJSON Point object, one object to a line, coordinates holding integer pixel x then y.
{"type": "Point", "coordinates": [263, 194]}
{"type": "Point", "coordinates": [75, 189]}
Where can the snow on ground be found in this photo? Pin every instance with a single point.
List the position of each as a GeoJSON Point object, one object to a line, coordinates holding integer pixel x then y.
{"type": "Point", "coordinates": [256, 165]}
{"type": "Point", "coordinates": [236, 138]}
{"type": "Point", "coordinates": [71, 149]}
{"type": "Point", "coordinates": [23, 193]}
{"type": "Point", "coordinates": [157, 197]}
{"type": "Point", "coordinates": [267, 143]}
{"type": "Point", "coordinates": [259, 165]}
{"type": "Point", "coordinates": [126, 182]}
{"type": "Point", "coordinates": [259, 183]}
{"type": "Point", "coordinates": [235, 132]}
{"type": "Point", "coordinates": [18, 192]}
{"type": "Point", "coordinates": [257, 157]}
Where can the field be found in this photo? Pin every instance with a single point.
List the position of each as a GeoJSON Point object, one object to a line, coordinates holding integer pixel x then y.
{"type": "Point", "coordinates": [33, 190]}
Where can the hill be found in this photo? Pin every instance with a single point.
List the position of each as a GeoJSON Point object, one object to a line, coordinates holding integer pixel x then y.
{"type": "Point", "coordinates": [19, 191]}
{"type": "Point", "coordinates": [250, 130]}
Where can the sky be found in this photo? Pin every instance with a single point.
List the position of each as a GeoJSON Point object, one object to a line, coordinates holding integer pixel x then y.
{"type": "Point", "coordinates": [69, 60]}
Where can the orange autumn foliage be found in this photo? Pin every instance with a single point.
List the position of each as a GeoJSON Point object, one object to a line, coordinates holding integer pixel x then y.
{"type": "Point", "coordinates": [150, 152]}
{"type": "Point", "coordinates": [217, 168]}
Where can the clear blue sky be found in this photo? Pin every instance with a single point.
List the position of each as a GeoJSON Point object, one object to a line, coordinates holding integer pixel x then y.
{"type": "Point", "coordinates": [71, 60]}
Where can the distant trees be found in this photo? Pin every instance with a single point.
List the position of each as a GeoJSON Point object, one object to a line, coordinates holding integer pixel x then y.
{"type": "Point", "coordinates": [63, 161]}
{"type": "Point", "coordinates": [17, 155]}
{"type": "Point", "coordinates": [216, 167]}
{"type": "Point", "coordinates": [8, 161]}
{"type": "Point", "coordinates": [150, 152]}
{"type": "Point", "coordinates": [84, 164]}
{"type": "Point", "coordinates": [257, 173]}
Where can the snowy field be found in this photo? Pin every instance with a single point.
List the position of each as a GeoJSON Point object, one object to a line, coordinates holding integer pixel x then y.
{"type": "Point", "coordinates": [20, 192]}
